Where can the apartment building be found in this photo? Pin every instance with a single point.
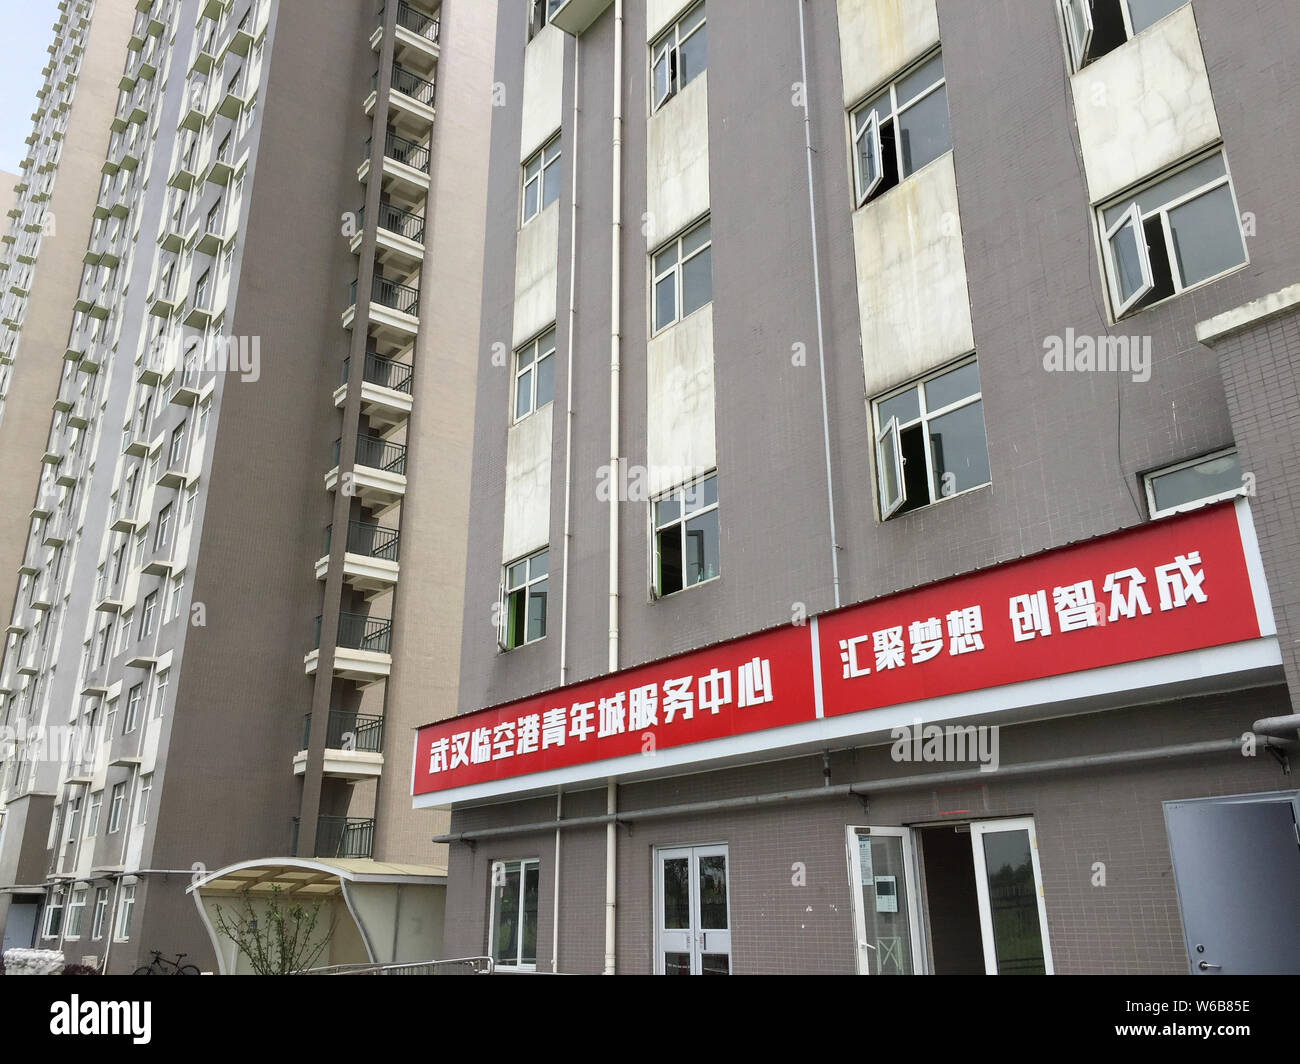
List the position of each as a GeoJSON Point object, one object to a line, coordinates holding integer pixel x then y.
{"type": "Point", "coordinates": [883, 550]}
{"type": "Point", "coordinates": [250, 502]}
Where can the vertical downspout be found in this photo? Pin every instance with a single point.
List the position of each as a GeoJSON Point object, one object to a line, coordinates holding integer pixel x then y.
{"type": "Point", "coordinates": [817, 290]}
{"type": "Point", "coordinates": [568, 405]}
{"type": "Point", "coordinates": [555, 889]}
{"type": "Point", "coordinates": [615, 329]}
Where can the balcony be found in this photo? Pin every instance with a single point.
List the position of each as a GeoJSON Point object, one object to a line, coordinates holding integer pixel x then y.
{"type": "Point", "coordinates": [394, 307]}
{"type": "Point", "coordinates": [405, 166]}
{"type": "Point", "coordinates": [166, 301]}
{"type": "Point", "coordinates": [400, 234]}
{"type": "Point", "coordinates": [410, 102]}
{"type": "Point", "coordinates": [354, 746]}
{"type": "Point", "coordinates": [369, 557]}
{"type": "Point", "coordinates": [362, 652]}
{"type": "Point", "coordinates": [340, 836]}
{"type": "Point", "coordinates": [385, 391]}
{"type": "Point", "coordinates": [184, 386]}
{"type": "Point", "coordinates": [109, 596]}
{"type": "Point", "coordinates": [135, 437]}
{"type": "Point", "coordinates": [378, 475]}
{"type": "Point", "coordinates": [417, 34]}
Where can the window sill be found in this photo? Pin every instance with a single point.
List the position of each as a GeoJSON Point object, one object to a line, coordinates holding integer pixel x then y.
{"type": "Point", "coordinates": [656, 597]}
{"type": "Point", "coordinates": [1157, 515]}
{"type": "Point", "coordinates": [937, 502]}
{"type": "Point", "coordinates": [1129, 315]}
{"type": "Point", "coordinates": [910, 177]}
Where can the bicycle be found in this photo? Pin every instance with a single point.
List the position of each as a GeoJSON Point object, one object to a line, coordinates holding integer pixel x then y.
{"type": "Point", "coordinates": [160, 967]}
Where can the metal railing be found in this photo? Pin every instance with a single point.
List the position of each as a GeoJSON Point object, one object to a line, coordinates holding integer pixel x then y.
{"type": "Point", "coordinates": [400, 297]}
{"type": "Point", "coordinates": [345, 836]}
{"type": "Point", "coordinates": [409, 83]}
{"type": "Point", "coordinates": [370, 541]}
{"type": "Point", "coordinates": [348, 731]}
{"type": "Point", "coordinates": [417, 22]}
{"type": "Point", "coordinates": [455, 966]}
{"type": "Point", "coordinates": [377, 453]}
{"type": "Point", "coordinates": [396, 220]}
{"type": "Point", "coordinates": [386, 372]}
{"type": "Point", "coordinates": [359, 631]}
{"type": "Point", "coordinates": [403, 150]}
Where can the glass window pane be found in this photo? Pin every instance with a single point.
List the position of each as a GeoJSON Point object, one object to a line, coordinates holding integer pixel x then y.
{"type": "Point", "coordinates": [551, 184]}
{"type": "Point", "coordinates": [957, 384]}
{"type": "Point", "coordinates": [1207, 236]}
{"type": "Point", "coordinates": [533, 168]}
{"type": "Point", "coordinates": [545, 381]}
{"type": "Point", "coordinates": [528, 944]}
{"type": "Point", "coordinates": [713, 893]}
{"type": "Point", "coordinates": [517, 575]}
{"type": "Point", "coordinates": [697, 282]}
{"type": "Point", "coordinates": [690, 20]}
{"type": "Point", "coordinates": [702, 548]}
{"type": "Point", "coordinates": [536, 611]}
{"type": "Point", "coordinates": [868, 160]}
{"type": "Point", "coordinates": [1013, 899]}
{"type": "Point", "coordinates": [676, 894]}
{"type": "Point", "coordinates": [1217, 476]}
{"type": "Point", "coordinates": [677, 964]}
{"type": "Point", "coordinates": [906, 406]}
{"type": "Point", "coordinates": [701, 494]}
{"type": "Point", "coordinates": [919, 80]}
{"type": "Point", "coordinates": [694, 54]}
{"type": "Point", "coordinates": [666, 260]}
{"type": "Point", "coordinates": [696, 239]}
{"type": "Point", "coordinates": [1146, 12]}
{"type": "Point", "coordinates": [888, 462]}
{"type": "Point", "coordinates": [1170, 189]}
{"type": "Point", "coordinates": [959, 451]}
{"type": "Point", "coordinates": [661, 77]}
{"type": "Point", "coordinates": [924, 129]}
{"type": "Point", "coordinates": [668, 553]}
{"type": "Point", "coordinates": [667, 510]}
{"type": "Point", "coordinates": [530, 199]}
{"type": "Point", "coordinates": [884, 904]}
{"type": "Point", "coordinates": [546, 344]}
{"type": "Point", "coordinates": [1129, 275]}
{"type": "Point", "coordinates": [552, 151]}
{"type": "Point", "coordinates": [505, 944]}
{"type": "Point", "coordinates": [524, 394]}
{"type": "Point", "coordinates": [666, 301]}
{"type": "Point", "coordinates": [539, 565]}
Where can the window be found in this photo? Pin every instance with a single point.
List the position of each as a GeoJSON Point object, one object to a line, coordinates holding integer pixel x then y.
{"type": "Point", "coordinates": [141, 539]}
{"type": "Point", "coordinates": [1179, 232]}
{"type": "Point", "coordinates": [176, 590]}
{"type": "Point", "coordinates": [523, 616]}
{"type": "Point", "coordinates": [125, 908]}
{"type": "Point", "coordinates": [110, 718]}
{"type": "Point", "coordinates": [930, 442]}
{"type": "Point", "coordinates": [133, 700]}
{"type": "Point", "coordinates": [535, 375]}
{"type": "Point", "coordinates": [1198, 482]}
{"type": "Point", "coordinates": [147, 615]}
{"type": "Point", "coordinates": [92, 819]}
{"type": "Point", "coordinates": [512, 929]}
{"type": "Point", "coordinates": [160, 693]}
{"type": "Point", "coordinates": [900, 130]}
{"type": "Point", "coordinates": [163, 527]}
{"type": "Point", "coordinates": [142, 807]}
{"type": "Point", "coordinates": [678, 57]}
{"type": "Point", "coordinates": [191, 497]}
{"type": "Point", "coordinates": [177, 450]}
{"type": "Point", "coordinates": [539, 14]}
{"type": "Point", "coordinates": [76, 913]}
{"type": "Point", "coordinates": [74, 820]}
{"type": "Point", "coordinates": [101, 910]}
{"type": "Point", "coordinates": [686, 536]}
{"type": "Point", "coordinates": [201, 291]}
{"type": "Point", "coordinates": [115, 804]}
{"type": "Point", "coordinates": [53, 917]}
{"type": "Point", "coordinates": [1095, 27]}
{"type": "Point", "coordinates": [683, 276]}
{"type": "Point", "coordinates": [542, 178]}
{"type": "Point", "coordinates": [205, 412]}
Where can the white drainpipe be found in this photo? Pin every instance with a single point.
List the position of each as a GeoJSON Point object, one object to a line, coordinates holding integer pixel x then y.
{"type": "Point", "coordinates": [568, 406]}
{"type": "Point", "coordinates": [615, 329]}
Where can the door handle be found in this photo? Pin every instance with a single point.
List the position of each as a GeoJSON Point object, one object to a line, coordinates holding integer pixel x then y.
{"type": "Point", "coordinates": [1205, 966]}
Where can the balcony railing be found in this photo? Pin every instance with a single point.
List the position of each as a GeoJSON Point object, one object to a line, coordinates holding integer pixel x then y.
{"type": "Point", "coordinates": [416, 21]}
{"type": "Point", "coordinates": [345, 836]}
{"type": "Point", "coordinates": [396, 220]}
{"type": "Point", "coordinates": [400, 297]}
{"type": "Point", "coordinates": [385, 372]}
{"type": "Point", "coordinates": [377, 453]}
{"type": "Point", "coordinates": [349, 731]}
{"type": "Point", "coordinates": [409, 84]}
{"type": "Point", "coordinates": [403, 151]}
{"type": "Point", "coordinates": [358, 631]}
{"type": "Point", "coordinates": [370, 541]}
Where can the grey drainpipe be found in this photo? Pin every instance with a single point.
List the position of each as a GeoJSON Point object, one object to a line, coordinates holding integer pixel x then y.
{"type": "Point", "coordinates": [1279, 727]}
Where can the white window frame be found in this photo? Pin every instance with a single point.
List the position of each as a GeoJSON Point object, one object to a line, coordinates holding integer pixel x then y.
{"type": "Point", "coordinates": [538, 357]}
{"type": "Point", "coordinates": [547, 156]}
{"type": "Point", "coordinates": [144, 791]}
{"type": "Point", "coordinates": [675, 271]}
{"type": "Point", "coordinates": [682, 492]}
{"type": "Point", "coordinates": [148, 612]}
{"type": "Point", "coordinates": [125, 910]}
{"type": "Point", "coordinates": [883, 432]}
{"type": "Point", "coordinates": [53, 909]}
{"type": "Point", "coordinates": [506, 590]}
{"type": "Point", "coordinates": [160, 686]}
{"type": "Point", "coordinates": [1078, 38]}
{"type": "Point", "coordinates": [1120, 307]}
{"type": "Point", "coordinates": [116, 803]}
{"type": "Point", "coordinates": [667, 48]}
{"type": "Point", "coordinates": [523, 865]}
{"type": "Point", "coordinates": [1194, 504]}
{"type": "Point", "coordinates": [540, 13]}
{"type": "Point", "coordinates": [76, 914]}
{"type": "Point", "coordinates": [92, 817]}
{"type": "Point", "coordinates": [868, 106]}
{"type": "Point", "coordinates": [134, 702]}
{"type": "Point", "coordinates": [101, 911]}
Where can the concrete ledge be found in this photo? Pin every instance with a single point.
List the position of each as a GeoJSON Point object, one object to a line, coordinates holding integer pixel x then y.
{"type": "Point", "coordinates": [1257, 311]}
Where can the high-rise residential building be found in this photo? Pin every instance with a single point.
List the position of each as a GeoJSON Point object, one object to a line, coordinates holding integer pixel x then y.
{"type": "Point", "coordinates": [240, 587]}
{"type": "Point", "coordinates": [883, 542]}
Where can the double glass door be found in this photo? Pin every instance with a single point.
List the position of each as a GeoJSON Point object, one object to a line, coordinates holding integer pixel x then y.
{"type": "Point", "coordinates": [693, 911]}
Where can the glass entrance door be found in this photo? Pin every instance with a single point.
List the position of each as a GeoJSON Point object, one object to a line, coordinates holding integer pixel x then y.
{"type": "Point", "coordinates": [1009, 889]}
{"type": "Point", "coordinates": [694, 911]}
{"type": "Point", "coordinates": [885, 920]}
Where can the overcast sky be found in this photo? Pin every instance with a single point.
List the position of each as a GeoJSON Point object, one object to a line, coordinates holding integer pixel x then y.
{"type": "Point", "coordinates": [26, 30]}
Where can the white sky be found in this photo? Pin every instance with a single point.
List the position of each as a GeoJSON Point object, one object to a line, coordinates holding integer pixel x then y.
{"type": "Point", "coordinates": [26, 30]}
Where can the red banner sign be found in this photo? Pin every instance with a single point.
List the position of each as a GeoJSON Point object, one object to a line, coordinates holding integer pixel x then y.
{"type": "Point", "coordinates": [1170, 586]}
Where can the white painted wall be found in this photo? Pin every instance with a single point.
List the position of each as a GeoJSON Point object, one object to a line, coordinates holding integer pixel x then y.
{"type": "Point", "coordinates": [912, 291]}
{"type": "Point", "coordinates": [528, 486]}
{"type": "Point", "coordinates": [677, 160]}
{"type": "Point", "coordinates": [680, 426]}
{"type": "Point", "coordinates": [543, 101]}
{"type": "Point", "coordinates": [662, 13]}
{"type": "Point", "coordinates": [880, 37]}
{"type": "Point", "coordinates": [1145, 106]}
{"type": "Point", "coordinates": [537, 256]}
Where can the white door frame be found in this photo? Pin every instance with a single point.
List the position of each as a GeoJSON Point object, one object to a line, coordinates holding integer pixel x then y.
{"type": "Point", "coordinates": [694, 935]}
{"type": "Point", "coordinates": [978, 829]}
{"type": "Point", "coordinates": [862, 948]}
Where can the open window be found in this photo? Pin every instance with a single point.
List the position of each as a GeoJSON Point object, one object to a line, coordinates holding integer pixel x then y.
{"type": "Point", "coordinates": [523, 595]}
{"type": "Point", "coordinates": [1129, 260]}
{"type": "Point", "coordinates": [1079, 29]}
{"type": "Point", "coordinates": [889, 469]}
{"type": "Point", "coordinates": [1094, 28]}
{"type": "Point", "coordinates": [866, 156]}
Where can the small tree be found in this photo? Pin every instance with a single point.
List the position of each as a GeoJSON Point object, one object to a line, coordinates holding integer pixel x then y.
{"type": "Point", "coordinates": [282, 939]}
